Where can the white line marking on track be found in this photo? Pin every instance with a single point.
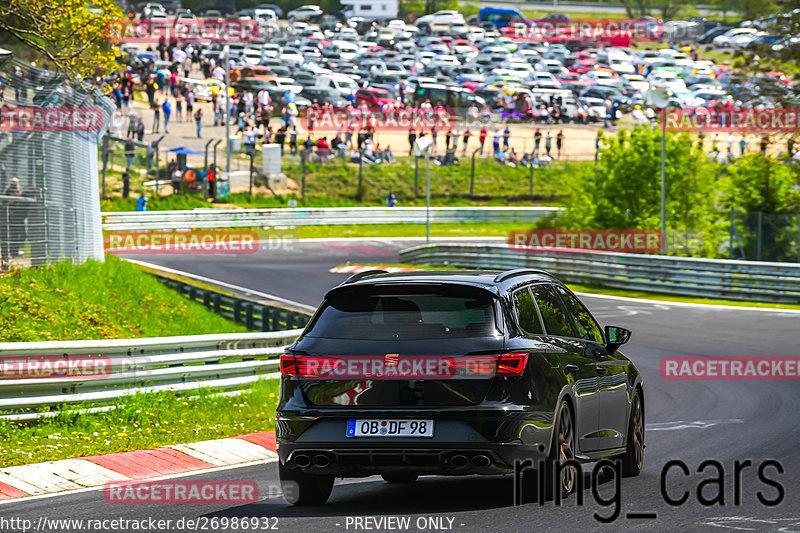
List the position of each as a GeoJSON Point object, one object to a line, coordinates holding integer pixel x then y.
{"type": "Point", "coordinates": [696, 424]}
{"type": "Point", "coordinates": [223, 284]}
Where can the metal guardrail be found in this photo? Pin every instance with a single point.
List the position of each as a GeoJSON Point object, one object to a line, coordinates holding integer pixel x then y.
{"type": "Point", "coordinates": [707, 278]}
{"type": "Point", "coordinates": [253, 315]}
{"type": "Point", "coordinates": [224, 361]}
{"type": "Point", "coordinates": [290, 217]}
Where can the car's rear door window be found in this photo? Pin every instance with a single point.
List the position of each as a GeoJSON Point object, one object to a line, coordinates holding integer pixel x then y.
{"type": "Point", "coordinates": [554, 317]}
{"type": "Point", "coordinates": [527, 315]}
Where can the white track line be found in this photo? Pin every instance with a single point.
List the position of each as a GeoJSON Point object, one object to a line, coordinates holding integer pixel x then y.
{"type": "Point", "coordinates": [223, 284]}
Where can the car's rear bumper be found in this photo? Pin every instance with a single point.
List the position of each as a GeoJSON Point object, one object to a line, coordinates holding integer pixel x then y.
{"type": "Point", "coordinates": [465, 441]}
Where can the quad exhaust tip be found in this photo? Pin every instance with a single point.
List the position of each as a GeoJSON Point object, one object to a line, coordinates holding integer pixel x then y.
{"type": "Point", "coordinates": [321, 461]}
{"type": "Point", "coordinates": [481, 460]}
{"type": "Point", "coordinates": [302, 460]}
{"type": "Point", "coordinates": [459, 460]}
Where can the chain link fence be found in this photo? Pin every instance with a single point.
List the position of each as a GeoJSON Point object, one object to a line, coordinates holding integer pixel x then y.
{"type": "Point", "coordinates": [49, 200]}
{"type": "Point", "coordinates": [760, 236]}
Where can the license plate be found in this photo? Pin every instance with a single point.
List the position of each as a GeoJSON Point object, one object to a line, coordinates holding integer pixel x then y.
{"type": "Point", "coordinates": [390, 428]}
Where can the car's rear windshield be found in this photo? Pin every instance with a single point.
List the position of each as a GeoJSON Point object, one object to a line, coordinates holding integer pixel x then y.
{"type": "Point", "coordinates": [406, 313]}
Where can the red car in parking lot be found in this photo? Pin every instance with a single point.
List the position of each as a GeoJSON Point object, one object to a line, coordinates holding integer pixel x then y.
{"type": "Point", "coordinates": [375, 98]}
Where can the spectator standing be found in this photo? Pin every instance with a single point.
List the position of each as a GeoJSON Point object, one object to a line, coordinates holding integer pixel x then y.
{"type": "Point", "coordinates": [764, 143]}
{"type": "Point", "coordinates": [126, 184]}
{"type": "Point", "coordinates": [537, 140]}
{"type": "Point", "coordinates": [742, 145]}
{"type": "Point", "coordinates": [447, 138]}
{"type": "Point", "coordinates": [391, 200]}
{"type": "Point", "coordinates": [559, 142]}
{"type": "Point", "coordinates": [280, 137]}
{"type": "Point", "coordinates": [179, 107]}
{"type": "Point", "coordinates": [412, 137]}
{"type": "Point", "coordinates": [456, 137]}
{"type": "Point", "coordinates": [198, 119]}
{"type": "Point", "coordinates": [496, 141]}
{"type": "Point", "coordinates": [506, 137]}
{"type": "Point", "coordinates": [482, 138]}
{"type": "Point", "coordinates": [166, 107]}
{"type": "Point", "coordinates": [548, 143]}
{"type": "Point", "coordinates": [189, 103]}
{"type": "Point", "coordinates": [293, 140]}
{"type": "Point", "coordinates": [140, 127]}
{"type": "Point", "coordinates": [150, 154]}
{"type": "Point", "coordinates": [133, 123]}
{"type": "Point", "coordinates": [467, 135]}
{"type": "Point", "coordinates": [141, 202]}
{"type": "Point", "coordinates": [129, 154]}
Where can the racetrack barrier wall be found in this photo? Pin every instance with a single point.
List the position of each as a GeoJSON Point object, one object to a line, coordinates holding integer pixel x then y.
{"type": "Point", "coordinates": [707, 278]}
{"type": "Point", "coordinates": [313, 216]}
{"type": "Point", "coordinates": [181, 363]}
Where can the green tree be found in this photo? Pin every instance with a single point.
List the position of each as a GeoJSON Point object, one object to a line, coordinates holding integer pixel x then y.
{"type": "Point", "coordinates": [757, 183]}
{"type": "Point", "coordinates": [625, 191]}
{"type": "Point", "coordinates": [72, 35]}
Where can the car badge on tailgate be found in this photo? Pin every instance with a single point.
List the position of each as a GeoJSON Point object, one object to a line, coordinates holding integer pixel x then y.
{"type": "Point", "coordinates": [391, 359]}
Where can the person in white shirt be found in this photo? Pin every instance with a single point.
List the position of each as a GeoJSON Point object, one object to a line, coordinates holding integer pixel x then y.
{"type": "Point", "coordinates": [218, 73]}
{"type": "Point", "coordinates": [638, 115]}
{"type": "Point", "coordinates": [263, 98]}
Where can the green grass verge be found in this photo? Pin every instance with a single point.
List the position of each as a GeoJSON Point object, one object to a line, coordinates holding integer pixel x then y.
{"type": "Point", "coordinates": [96, 300]}
{"type": "Point", "coordinates": [467, 229]}
{"type": "Point", "coordinates": [138, 422]}
{"type": "Point", "coordinates": [596, 289]}
{"type": "Point", "coordinates": [335, 184]}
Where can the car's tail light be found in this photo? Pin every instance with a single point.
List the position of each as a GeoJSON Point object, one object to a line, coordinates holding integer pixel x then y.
{"type": "Point", "coordinates": [308, 366]}
{"type": "Point", "coordinates": [506, 364]}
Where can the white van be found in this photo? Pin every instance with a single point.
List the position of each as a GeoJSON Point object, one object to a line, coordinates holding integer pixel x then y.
{"type": "Point", "coordinates": [340, 82]}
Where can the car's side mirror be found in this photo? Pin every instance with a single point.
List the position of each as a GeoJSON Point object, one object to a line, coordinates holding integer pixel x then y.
{"type": "Point", "coordinates": [616, 337]}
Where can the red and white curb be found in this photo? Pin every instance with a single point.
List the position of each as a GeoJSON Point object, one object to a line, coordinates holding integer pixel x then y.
{"type": "Point", "coordinates": [354, 269]}
{"type": "Point", "coordinates": [85, 472]}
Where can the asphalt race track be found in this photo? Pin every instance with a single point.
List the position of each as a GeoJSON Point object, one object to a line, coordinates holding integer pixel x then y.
{"type": "Point", "coordinates": [688, 421]}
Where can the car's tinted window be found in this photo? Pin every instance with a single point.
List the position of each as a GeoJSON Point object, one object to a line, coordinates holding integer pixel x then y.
{"type": "Point", "coordinates": [527, 316]}
{"type": "Point", "coordinates": [555, 320]}
{"type": "Point", "coordinates": [406, 314]}
{"type": "Point", "coordinates": [585, 326]}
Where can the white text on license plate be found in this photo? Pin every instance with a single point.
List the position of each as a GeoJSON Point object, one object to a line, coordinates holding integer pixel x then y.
{"type": "Point", "coordinates": [390, 428]}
